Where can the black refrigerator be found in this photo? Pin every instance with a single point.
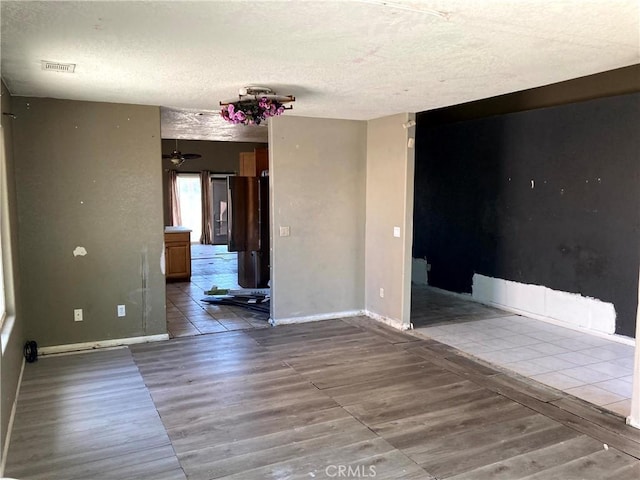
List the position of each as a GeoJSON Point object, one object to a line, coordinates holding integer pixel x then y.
{"type": "Point", "coordinates": [248, 228]}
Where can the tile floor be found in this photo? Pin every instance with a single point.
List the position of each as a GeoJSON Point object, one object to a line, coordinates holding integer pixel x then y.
{"type": "Point", "coordinates": [187, 315]}
{"type": "Point", "coordinates": [596, 369]}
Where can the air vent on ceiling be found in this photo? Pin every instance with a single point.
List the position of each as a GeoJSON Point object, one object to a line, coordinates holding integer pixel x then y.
{"type": "Point", "coordinates": [58, 67]}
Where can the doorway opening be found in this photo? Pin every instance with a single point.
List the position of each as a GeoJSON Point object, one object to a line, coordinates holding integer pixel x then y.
{"type": "Point", "coordinates": [211, 263]}
{"type": "Point", "coordinates": [190, 195]}
{"type": "Point", "coordinates": [220, 210]}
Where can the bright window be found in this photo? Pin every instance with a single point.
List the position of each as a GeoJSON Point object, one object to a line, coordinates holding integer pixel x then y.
{"type": "Point", "coordinates": [3, 218]}
{"type": "Point", "coordinates": [190, 203]}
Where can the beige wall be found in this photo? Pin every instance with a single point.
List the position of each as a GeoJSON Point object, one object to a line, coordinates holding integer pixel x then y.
{"type": "Point", "coordinates": [12, 334]}
{"type": "Point", "coordinates": [389, 204]}
{"type": "Point", "coordinates": [217, 157]}
{"type": "Point", "coordinates": [317, 172]}
{"type": "Point", "coordinates": [89, 175]}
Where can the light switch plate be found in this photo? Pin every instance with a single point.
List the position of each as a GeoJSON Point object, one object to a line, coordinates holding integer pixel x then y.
{"type": "Point", "coordinates": [396, 232]}
{"type": "Point", "coordinates": [122, 310]}
{"type": "Point", "coordinates": [285, 231]}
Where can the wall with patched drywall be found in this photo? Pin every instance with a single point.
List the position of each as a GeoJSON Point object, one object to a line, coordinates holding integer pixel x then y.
{"type": "Point", "coordinates": [89, 191]}
{"type": "Point", "coordinates": [546, 197]}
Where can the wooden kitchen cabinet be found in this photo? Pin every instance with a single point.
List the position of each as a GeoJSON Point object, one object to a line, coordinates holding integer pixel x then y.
{"type": "Point", "coordinates": [252, 164]}
{"type": "Point", "coordinates": [177, 255]}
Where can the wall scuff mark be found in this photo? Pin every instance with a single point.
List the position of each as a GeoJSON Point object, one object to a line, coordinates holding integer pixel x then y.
{"type": "Point", "coordinates": [144, 273]}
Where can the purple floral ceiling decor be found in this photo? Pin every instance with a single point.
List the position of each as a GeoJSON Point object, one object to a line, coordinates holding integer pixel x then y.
{"type": "Point", "coordinates": [255, 105]}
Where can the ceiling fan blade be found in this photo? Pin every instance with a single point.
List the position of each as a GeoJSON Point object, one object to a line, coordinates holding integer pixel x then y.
{"type": "Point", "coordinates": [174, 154]}
{"type": "Point", "coordinates": [191, 156]}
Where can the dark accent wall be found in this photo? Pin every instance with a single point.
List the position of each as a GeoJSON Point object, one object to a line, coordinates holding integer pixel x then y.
{"type": "Point", "coordinates": [548, 196]}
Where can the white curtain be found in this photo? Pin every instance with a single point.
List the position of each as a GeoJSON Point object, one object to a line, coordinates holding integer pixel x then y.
{"type": "Point", "coordinates": [174, 199]}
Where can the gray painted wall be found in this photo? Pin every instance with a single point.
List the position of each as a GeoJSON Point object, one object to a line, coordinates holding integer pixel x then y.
{"type": "Point", "coordinates": [390, 165]}
{"type": "Point", "coordinates": [317, 171]}
{"type": "Point", "coordinates": [217, 157]}
{"type": "Point", "coordinates": [88, 175]}
{"type": "Point", "coordinates": [12, 331]}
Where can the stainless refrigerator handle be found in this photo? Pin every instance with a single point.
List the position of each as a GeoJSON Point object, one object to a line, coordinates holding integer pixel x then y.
{"type": "Point", "coordinates": [229, 213]}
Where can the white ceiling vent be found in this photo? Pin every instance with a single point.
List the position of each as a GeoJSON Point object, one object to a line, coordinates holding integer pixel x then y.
{"type": "Point", "coordinates": [58, 67]}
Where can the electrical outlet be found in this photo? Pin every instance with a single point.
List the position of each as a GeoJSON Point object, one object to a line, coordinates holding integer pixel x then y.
{"type": "Point", "coordinates": [381, 292]}
{"type": "Point", "coordinates": [121, 311]}
{"type": "Point", "coordinates": [77, 315]}
{"type": "Point", "coordinates": [396, 232]}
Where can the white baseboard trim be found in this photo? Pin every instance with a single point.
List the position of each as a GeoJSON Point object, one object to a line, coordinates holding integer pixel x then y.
{"type": "Point", "coordinates": [613, 337]}
{"type": "Point", "coordinates": [315, 318]}
{"type": "Point", "coordinates": [392, 322]}
{"type": "Point", "coordinates": [570, 309]}
{"type": "Point", "coordinates": [12, 416]}
{"type": "Point", "coordinates": [467, 296]}
{"type": "Point", "coordinates": [115, 342]}
{"type": "Point", "coordinates": [629, 421]}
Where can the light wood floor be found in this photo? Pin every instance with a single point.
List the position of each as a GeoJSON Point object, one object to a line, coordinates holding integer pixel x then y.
{"type": "Point", "coordinates": [299, 402]}
{"type": "Point", "coordinates": [88, 416]}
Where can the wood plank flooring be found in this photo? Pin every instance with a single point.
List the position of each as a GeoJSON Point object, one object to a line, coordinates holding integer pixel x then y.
{"type": "Point", "coordinates": [88, 416]}
{"type": "Point", "coordinates": [302, 401]}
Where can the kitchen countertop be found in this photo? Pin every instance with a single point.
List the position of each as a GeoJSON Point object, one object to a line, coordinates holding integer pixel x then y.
{"type": "Point", "coordinates": [176, 229]}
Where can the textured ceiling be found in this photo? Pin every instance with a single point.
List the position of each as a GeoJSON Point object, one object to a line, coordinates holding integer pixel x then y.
{"type": "Point", "coordinates": [341, 59]}
{"type": "Point", "coordinates": [190, 124]}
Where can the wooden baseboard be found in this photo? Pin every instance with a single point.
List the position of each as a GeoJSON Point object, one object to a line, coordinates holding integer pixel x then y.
{"type": "Point", "coordinates": [115, 342]}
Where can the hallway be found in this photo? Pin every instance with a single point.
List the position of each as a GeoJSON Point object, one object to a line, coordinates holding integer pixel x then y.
{"type": "Point", "coordinates": [188, 315]}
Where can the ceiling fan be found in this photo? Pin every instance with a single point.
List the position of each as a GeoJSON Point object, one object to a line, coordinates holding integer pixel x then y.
{"type": "Point", "coordinates": [178, 158]}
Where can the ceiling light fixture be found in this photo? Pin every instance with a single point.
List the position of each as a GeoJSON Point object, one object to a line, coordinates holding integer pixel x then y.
{"type": "Point", "coordinates": [255, 105]}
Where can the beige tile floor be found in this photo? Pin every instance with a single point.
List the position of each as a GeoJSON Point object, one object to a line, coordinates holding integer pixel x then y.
{"type": "Point", "coordinates": [596, 369]}
{"type": "Point", "coordinates": [188, 315]}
